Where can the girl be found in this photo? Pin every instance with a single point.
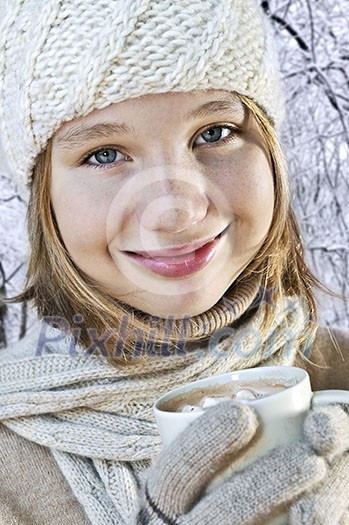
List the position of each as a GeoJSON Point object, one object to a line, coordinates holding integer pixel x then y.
{"type": "Point", "coordinates": [163, 249]}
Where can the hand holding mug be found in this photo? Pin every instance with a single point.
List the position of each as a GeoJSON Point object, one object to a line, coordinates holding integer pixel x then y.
{"type": "Point", "coordinates": [175, 486]}
{"type": "Point", "coordinates": [228, 433]}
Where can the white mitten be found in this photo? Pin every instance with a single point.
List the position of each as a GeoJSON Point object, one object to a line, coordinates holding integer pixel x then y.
{"type": "Point", "coordinates": [327, 430]}
{"type": "Point", "coordinates": [174, 490]}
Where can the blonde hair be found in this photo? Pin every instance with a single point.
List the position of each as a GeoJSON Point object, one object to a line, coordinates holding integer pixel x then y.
{"type": "Point", "coordinates": [60, 290]}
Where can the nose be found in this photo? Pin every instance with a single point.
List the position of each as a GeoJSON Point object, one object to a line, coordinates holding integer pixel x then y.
{"type": "Point", "coordinates": [174, 206]}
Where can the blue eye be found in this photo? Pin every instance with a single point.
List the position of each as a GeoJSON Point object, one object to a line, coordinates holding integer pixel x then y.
{"type": "Point", "coordinates": [214, 134]}
{"type": "Point", "coordinates": [104, 157]}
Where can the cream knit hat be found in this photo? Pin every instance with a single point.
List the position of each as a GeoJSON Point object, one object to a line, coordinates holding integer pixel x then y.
{"type": "Point", "coordinates": [61, 59]}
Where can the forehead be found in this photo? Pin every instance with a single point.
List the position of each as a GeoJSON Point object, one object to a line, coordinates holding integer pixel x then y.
{"type": "Point", "coordinates": [180, 106]}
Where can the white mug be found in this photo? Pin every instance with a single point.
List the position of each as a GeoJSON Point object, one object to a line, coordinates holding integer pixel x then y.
{"type": "Point", "coordinates": [281, 415]}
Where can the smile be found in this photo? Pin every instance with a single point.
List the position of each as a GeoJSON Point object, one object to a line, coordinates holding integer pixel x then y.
{"type": "Point", "coordinates": [178, 265]}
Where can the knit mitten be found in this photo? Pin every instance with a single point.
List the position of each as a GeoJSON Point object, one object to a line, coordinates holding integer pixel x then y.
{"type": "Point", "coordinates": [174, 490]}
{"type": "Point", "coordinates": [327, 430]}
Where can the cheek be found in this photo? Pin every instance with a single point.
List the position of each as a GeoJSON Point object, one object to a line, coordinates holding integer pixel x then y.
{"type": "Point", "coordinates": [248, 181]}
{"type": "Point", "coordinates": [81, 217]}
{"type": "Point", "coordinates": [256, 199]}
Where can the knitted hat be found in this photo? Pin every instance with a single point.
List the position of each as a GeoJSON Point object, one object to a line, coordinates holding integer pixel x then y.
{"type": "Point", "coordinates": [61, 59]}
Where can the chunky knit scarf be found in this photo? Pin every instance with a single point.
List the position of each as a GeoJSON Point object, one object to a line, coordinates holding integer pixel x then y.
{"type": "Point", "coordinates": [97, 419]}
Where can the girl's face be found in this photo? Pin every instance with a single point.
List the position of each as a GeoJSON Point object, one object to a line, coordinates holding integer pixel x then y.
{"type": "Point", "coordinates": [163, 200]}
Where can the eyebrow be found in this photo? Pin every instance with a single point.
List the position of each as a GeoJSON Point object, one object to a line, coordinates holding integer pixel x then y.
{"type": "Point", "coordinates": [78, 135]}
{"type": "Point", "coordinates": [217, 106]}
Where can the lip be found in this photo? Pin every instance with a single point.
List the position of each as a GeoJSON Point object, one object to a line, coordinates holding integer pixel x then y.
{"type": "Point", "coordinates": [179, 262]}
{"type": "Point", "coordinates": [182, 250]}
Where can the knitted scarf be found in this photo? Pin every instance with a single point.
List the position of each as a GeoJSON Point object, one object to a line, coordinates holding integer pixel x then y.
{"type": "Point", "coordinates": [97, 419]}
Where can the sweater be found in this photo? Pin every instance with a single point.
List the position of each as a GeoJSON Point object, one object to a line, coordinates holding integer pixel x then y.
{"type": "Point", "coordinates": [33, 490]}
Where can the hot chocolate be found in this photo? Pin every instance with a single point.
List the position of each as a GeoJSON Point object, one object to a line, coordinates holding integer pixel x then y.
{"type": "Point", "coordinates": [199, 399]}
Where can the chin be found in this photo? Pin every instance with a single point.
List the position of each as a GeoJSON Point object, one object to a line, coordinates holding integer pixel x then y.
{"type": "Point", "coordinates": [182, 307]}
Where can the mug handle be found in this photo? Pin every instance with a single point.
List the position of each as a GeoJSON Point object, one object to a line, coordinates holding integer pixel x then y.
{"type": "Point", "coordinates": [325, 397]}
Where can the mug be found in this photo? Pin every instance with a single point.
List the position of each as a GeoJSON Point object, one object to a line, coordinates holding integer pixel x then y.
{"type": "Point", "coordinates": [281, 415]}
